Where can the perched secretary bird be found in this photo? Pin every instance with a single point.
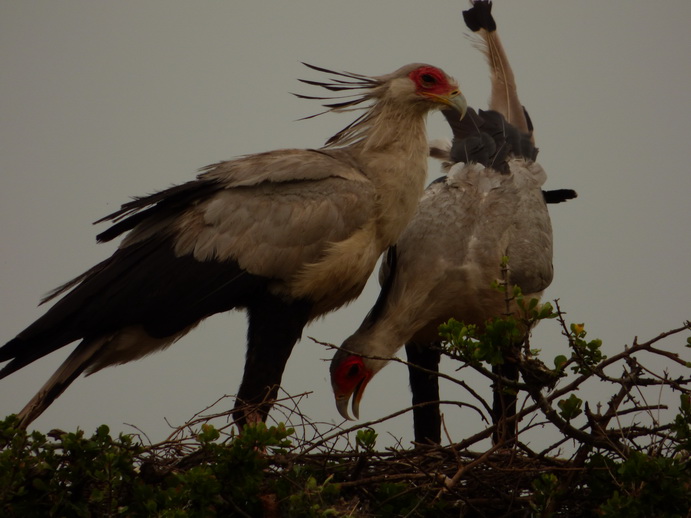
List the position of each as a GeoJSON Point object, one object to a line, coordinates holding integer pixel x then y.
{"type": "Point", "coordinates": [288, 235]}
{"type": "Point", "coordinates": [490, 205]}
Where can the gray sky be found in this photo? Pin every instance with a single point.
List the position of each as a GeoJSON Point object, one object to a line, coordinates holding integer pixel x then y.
{"type": "Point", "coordinates": [101, 101]}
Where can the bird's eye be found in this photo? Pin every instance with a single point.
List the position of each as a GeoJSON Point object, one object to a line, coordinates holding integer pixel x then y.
{"type": "Point", "coordinates": [353, 371]}
{"type": "Point", "coordinates": [428, 79]}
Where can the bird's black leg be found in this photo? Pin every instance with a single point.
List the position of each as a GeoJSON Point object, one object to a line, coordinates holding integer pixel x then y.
{"type": "Point", "coordinates": [274, 328]}
{"type": "Point", "coordinates": [425, 389]}
{"type": "Point", "coordinates": [504, 403]}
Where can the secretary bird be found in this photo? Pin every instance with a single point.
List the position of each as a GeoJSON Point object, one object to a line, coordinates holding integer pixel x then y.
{"type": "Point", "coordinates": [288, 235]}
{"type": "Point", "coordinates": [490, 205]}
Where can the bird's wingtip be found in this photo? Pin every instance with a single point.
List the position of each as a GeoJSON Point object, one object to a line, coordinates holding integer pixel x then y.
{"type": "Point", "coordinates": [479, 16]}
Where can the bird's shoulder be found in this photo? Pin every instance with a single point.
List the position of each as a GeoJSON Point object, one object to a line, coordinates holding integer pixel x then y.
{"type": "Point", "coordinates": [271, 212]}
{"type": "Point", "coordinates": [277, 211]}
{"type": "Point", "coordinates": [284, 165]}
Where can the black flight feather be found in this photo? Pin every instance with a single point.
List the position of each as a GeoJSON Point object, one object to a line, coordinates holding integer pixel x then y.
{"type": "Point", "coordinates": [479, 16]}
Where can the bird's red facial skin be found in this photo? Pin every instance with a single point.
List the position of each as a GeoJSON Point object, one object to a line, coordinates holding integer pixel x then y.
{"type": "Point", "coordinates": [349, 379]}
{"type": "Point", "coordinates": [431, 80]}
{"type": "Point", "coordinates": [348, 375]}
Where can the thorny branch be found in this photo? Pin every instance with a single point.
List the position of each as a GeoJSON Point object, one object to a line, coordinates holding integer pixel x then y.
{"type": "Point", "coordinates": [469, 470]}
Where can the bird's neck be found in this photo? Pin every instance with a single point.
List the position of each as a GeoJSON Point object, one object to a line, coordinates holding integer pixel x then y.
{"type": "Point", "coordinates": [381, 340]}
{"type": "Point", "coordinates": [393, 153]}
{"type": "Point", "coordinates": [388, 128]}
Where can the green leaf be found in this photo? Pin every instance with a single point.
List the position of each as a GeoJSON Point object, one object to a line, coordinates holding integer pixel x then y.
{"type": "Point", "coordinates": [685, 403]}
{"type": "Point", "coordinates": [570, 407]}
{"type": "Point", "coordinates": [532, 304]}
{"type": "Point", "coordinates": [366, 439]}
{"type": "Point", "coordinates": [208, 434]}
{"type": "Point", "coordinates": [559, 361]}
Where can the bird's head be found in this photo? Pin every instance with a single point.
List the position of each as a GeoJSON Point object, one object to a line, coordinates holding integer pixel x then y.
{"type": "Point", "coordinates": [350, 374]}
{"type": "Point", "coordinates": [432, 85]}
{"type": "Point", "coordinates": [417, 87]}
{"type": "Point", "coordinates": [349, 377]}
{"type": "Point", "coordinates": [426, 85]}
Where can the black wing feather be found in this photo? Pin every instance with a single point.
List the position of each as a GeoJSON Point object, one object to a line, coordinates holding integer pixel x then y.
{"type": "Point", "coordinates": [135, 286]}
{"type": "Point", "coordinates": [485, 137]}
{"type": "Point", "coordinates": [160, 204]}
{"type": "Point", "coordinates": [559, 195]}
{"type": "Point", "coordinates": [479, 16]}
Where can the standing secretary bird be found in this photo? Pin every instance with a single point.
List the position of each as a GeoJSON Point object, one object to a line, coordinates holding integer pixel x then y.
{"type": "Point", "coordinates": [288, 235]}
{"type": "Point", "coordinates": [489, 206]}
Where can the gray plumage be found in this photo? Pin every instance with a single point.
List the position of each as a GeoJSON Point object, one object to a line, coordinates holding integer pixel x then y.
{"type": "Point", "coordinates": [490, 205]}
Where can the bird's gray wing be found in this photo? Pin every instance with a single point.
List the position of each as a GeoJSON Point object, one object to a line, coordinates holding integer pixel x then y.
{"type": "Point", "coordinates": [276, 212]}
{"type": "Point", "coordinates": [271, 212]}
{"type": "Point", "coordinates": [283, 165]}
{"type": "Point", "coordinates": [199, 248]}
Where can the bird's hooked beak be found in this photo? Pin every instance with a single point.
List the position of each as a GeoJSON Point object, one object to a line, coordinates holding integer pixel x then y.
{"type": "Point", "coordinates": [454, 99]}
{"type": "Point", "coordinates": [349, 380]}
{"type": "Point", "coordinates": [343, 399]}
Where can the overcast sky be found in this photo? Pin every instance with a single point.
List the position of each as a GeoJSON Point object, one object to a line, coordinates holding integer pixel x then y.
{"type": "Point", "coordinates": [101, 101]}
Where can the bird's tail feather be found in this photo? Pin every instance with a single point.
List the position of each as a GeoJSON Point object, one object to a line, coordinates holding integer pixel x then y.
{"type": "Point", "coordinates": [70, 369]}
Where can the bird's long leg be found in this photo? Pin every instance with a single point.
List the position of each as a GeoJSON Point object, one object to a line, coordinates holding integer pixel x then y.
{"type": "Point", "coordinates": [425, 389]}
{"type": "Point", "coordinates": [274, 328]}
{"type": "Point", "coordinates": [504, 402]}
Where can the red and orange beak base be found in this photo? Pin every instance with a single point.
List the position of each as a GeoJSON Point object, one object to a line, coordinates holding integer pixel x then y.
{"type": "Point", "coordinates": [349, 379]}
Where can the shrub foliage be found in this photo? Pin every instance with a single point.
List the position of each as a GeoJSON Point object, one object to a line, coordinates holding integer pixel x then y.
{"type": "Point", "coordinates": [628, 457]}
